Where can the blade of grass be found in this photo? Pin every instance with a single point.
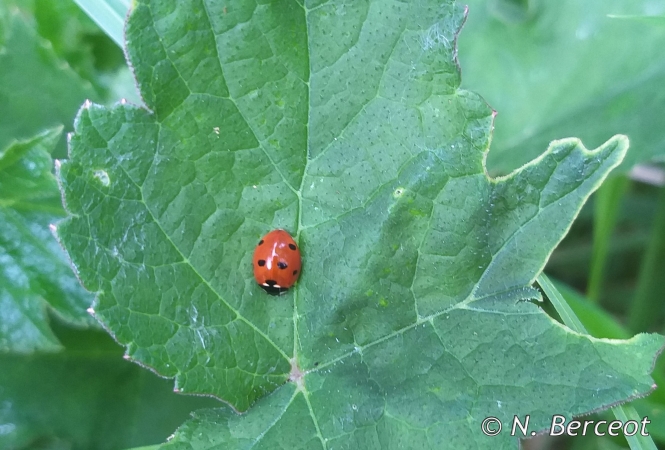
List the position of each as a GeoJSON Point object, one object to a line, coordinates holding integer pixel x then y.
{"type": "Point", "coordinates": [622, 412]}
{"type": "Point", "coordinates": [598, 322]}
{"type": "Point", "coordinates": [109, 15]}
{"type": "Point", "coordinates": [608, 203]}
{"type": "Point", "coordinates": [565, 311]}
{"type": "Point", "coordinates": [647, 303]}
{"type": "Point", "coordinates": [625, 413]}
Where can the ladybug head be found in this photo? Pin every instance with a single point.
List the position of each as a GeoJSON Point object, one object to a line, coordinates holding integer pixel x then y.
{"type": "Point", "coordinates": [272, 288]}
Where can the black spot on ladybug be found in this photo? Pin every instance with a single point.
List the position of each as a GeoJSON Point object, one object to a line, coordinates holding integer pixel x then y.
{"type": "Point", "coordinates": [295, 272]}
{"type": "Point", "coordinates": [261, 242]}
{"type": "Point", "coordinates": [292, 246]}
{"type": "Point", "coordinates": [282, 265]}
{"type": "Point", "coordinates": [262, 262]}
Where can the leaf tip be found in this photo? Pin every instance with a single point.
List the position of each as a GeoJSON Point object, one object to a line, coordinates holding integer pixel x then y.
{"type": "Point", "coordinates": [621, 140]}
{"type": "Point", "coordinates": [618, 143]}
{"type": "Point", "coordinates": [614, 149]}
{"type": "Point", "coordinates": [56, 131]}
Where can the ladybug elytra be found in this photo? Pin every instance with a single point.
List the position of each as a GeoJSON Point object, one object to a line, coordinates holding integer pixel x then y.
{"type": "Point", "coordinates": [276, 262]}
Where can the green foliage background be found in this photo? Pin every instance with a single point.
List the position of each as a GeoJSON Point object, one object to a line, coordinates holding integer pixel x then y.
{"type": "Point", "coordinates": [550, 72]}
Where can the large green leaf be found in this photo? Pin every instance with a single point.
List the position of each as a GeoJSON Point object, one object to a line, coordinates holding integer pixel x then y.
{"type": "Point", "coordinates": [565, 68]}
{"type": "Point", "coordinates": [343, 123]}
{"type": "Point", "coordinates": [33, 271]}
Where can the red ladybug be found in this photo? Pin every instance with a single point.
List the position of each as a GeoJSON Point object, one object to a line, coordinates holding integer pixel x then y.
{"type": "Point", "coordinates": [276, 262]}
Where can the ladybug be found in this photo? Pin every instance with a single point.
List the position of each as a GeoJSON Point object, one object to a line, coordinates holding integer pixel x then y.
{"type": "Point", "coordinates": [276, 262]}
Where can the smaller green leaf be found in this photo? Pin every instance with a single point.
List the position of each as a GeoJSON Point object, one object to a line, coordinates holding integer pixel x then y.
{"type": "Point", "coordinates": [54, 92]}
{"type": "Point", "coordinates": [78, 40]}
{"type": "Point", "coordinates": [33, 269]}
{"type": "Point", "coordinates": [86, 397]}
{"type": "Point", "coordinates": [569, 70]}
